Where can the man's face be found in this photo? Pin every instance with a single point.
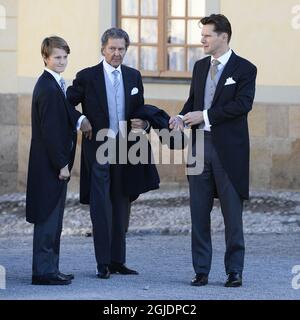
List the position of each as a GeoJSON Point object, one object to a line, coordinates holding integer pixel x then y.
{"type": "Point", "coordinates": [114, 51]}
{"type": "Point", "coordinates": [57, 61]}
{"type": "Point", "coordinates": [213, 44]}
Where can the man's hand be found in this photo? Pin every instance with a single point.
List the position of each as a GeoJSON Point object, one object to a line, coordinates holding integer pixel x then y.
{"type": "Point", "coordinates": [176, 123]}
{"type": "Point", "coordinates": [193, 118]}
{"type": "Point", "coordinates": [138, 124]}
{"type": "Point", "coordinates": [86, 128]}
{"type": "Point", "coordinates": [64, 173]}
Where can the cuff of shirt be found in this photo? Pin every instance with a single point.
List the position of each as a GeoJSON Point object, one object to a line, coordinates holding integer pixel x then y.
{"type": "Point", "coordinates": [181, 117]}
{"type": "Point", "coordinates": [206, 120]}
{"type": "Point", "coordinates": [78, 125]}
{"type": "Point", "coordinates": [146, 130]}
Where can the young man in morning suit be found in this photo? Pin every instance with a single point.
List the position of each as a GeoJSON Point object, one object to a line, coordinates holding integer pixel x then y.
{"type": "Point", "coordinates": [221, 95]}
{"type": "Point", "coordinates": [51, 158]}
{"type": "Point", "coordinates": [109, 92]}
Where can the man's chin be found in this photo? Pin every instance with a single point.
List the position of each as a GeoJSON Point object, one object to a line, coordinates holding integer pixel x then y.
{"type": "Point", "coordinates": [116, 64]}
{"type": "Point", "coordinates": [60, 70]}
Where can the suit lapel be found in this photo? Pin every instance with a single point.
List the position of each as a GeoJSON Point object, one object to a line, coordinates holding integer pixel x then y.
{"type": "Point", "coordinates": [126, 83]}
{"type": "Point", "coordinates": [51, 78]}
{"type": "Point", "coordinates": [100, 88]}
{"type": "Point", "coordinates": [227, 72]}
{"type": "Point", "coordinates": [201, 80]}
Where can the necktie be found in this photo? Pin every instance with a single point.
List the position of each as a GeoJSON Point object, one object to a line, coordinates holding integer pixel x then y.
{"type": "Point", "coordinates": [63, 85]}
{"type": "Point", "coordinates": [214, 68]}
{"type": "Point", "coordinates": [116, 82]}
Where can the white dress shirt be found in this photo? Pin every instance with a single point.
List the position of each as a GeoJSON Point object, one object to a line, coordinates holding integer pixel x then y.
{"type": "Point", "coordinates": [110, 69]}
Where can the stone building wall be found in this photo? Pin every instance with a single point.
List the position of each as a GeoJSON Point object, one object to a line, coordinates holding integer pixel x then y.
{"type": "Point", "coordinates": [274, 135]}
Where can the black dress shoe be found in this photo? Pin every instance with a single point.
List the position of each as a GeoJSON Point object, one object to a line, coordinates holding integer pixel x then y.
{"type": "Point", "coordinates": [120, 268]}
{"type": "Point", "coordinates": [201, 279]}
{"type": "Point", "coordinates": [103, 271]}
{"type": "Point", "coordinates": [51, 280]}
{"type": "Point", "coordinates": [234, 280]}
{"type": "Point", "coordinates": [67, 276]}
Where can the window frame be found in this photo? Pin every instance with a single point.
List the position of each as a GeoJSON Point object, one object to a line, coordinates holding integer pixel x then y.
{"type": "Point", "coordinates": [162, 44]}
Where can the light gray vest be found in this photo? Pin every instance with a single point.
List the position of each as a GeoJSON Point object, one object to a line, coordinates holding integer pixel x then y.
{"type": "Point", "coordinates": [116, 103]}
{"type": "Point", "coordinates": [210, 89]}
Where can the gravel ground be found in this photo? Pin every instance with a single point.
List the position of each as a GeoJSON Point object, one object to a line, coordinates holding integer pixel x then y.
{"type": "Point", "coordinates": [165, 213]}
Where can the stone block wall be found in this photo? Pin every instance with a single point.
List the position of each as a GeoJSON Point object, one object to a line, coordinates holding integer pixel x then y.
{"type": "Point", "coordinates": [274, 132]}
{"type": "Point", "coordinates": [8, 142]}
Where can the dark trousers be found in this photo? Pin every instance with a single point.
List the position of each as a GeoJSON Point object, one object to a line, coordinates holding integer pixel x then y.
{"type": "Point", "coordinates": [46, 240]}
{"type": "Point", "coordinates": [109, 213]}
{"type": "Point", "coordinates": [202, 190]}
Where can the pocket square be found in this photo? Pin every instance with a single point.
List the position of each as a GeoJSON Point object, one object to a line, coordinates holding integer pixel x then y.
{"type": "Point", "coordinates": [134, 91]}
{"type": "Point", "coordinates": [229, 81]}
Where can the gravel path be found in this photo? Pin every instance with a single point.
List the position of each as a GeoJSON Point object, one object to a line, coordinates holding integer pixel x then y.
{"type": "Point", "coordinates": [166, 213]}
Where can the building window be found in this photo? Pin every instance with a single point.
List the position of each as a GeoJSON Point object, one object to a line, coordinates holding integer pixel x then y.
{"type": "Point", "coordinates": [2, 18]}
{"type": "Point", "coordinates": [165, 36]}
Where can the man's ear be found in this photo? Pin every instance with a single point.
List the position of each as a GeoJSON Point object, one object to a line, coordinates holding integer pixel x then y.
{"type": "Point", "coordinates": [225, 36]}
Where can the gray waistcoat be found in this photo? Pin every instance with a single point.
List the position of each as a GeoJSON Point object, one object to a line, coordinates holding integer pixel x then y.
{"type": "Point", "coordinates": [210, 89]}
{"type": "Point", "coordinates": [116, 103]}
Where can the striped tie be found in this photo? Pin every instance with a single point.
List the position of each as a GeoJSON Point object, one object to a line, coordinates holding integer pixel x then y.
{"type": "Point", "coordinates": [214, 68]}
{"type": "Point", "coordinates": [63, 85]}
{"type": "Point", "coordinates": [116, 83]}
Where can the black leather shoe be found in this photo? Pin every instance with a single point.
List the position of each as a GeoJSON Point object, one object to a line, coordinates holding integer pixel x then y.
{"type": "Point", "coordinates": [120, 268]}
{"type": "Point", "coordinates": [67, 276]}
{"type": "Point", "coordinates": [201, 279]}
{"type": "Point", "coordinates": [51, 280]}
{"type": "Point", "coordinates": [103, 271]}
{"type": "Point", "coordinates": [234, 280]}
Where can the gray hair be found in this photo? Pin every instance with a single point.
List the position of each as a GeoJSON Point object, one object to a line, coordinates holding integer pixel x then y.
{"type": "Point", "coordinates": [115, 33]}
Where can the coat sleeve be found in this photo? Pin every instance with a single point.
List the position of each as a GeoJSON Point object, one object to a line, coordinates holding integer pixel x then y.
{"type": "Point", "coordinates": [242, 102]}
{"type": "Point", "coordinates": [75, 96]}
{"type": "Point", "coordinates": [75, 114]}
{"type": "Point", "coordinates": [188, 106]}
{"type": "Point", "coordinates": [141, 89]}
{"type": "Point", "coordinates": [53, 120]}
{"type": "Point", "coordinates": [76, 92]}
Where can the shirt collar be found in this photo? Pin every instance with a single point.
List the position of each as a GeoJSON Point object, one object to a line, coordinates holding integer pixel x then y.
{"type": "Point", "coordinates": [224, 58]}
{"type": "Point", "coordinates": [110, 69]}
{"type": "Point", "coordinates": [56, 75]}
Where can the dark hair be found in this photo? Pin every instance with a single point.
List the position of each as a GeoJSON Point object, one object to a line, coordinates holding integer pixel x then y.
{"type": "Point", "coordinates": [220, 22]}
{"type": "Point", "coordinates": [115, 33]}
{"type": "Point", "coordinates": [50, 43]}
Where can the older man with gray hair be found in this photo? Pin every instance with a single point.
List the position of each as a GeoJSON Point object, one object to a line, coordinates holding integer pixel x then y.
{"type": "Point", "coordinates": [109, 93]}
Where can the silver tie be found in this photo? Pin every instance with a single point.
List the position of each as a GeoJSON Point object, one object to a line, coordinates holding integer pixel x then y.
{"type": "Point", "coordinates": [63, 85]}
{"type": "Point", "coordinates": [116, 85]}
{"type": "Point", "coordinates": [116, 82]}
{"type": "Point", "coordinates": [214, 68]}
